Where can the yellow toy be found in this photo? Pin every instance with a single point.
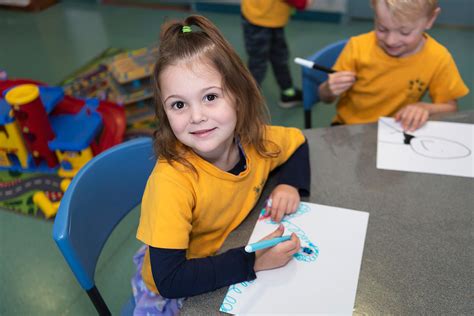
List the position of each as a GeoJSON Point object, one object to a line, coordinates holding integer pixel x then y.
{"type": "Point", "coordinates": [12, 145]}
{"type": "Point", "coordinates": [72, 161]}
{"type": "Point", "coordinates": [49, 208]}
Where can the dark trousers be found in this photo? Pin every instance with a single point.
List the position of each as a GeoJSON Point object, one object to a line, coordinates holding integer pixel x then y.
{"type": "Point", "coordinates": [265, 44]}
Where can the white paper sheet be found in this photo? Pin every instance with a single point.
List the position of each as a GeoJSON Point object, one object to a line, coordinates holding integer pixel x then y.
{"type": "Point", "coordinates": [321, 282]}
{"type": "Point", "coordinates": [437, 147]}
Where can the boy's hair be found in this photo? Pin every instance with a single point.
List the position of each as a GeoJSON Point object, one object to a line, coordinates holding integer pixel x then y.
{"type": "Point", "coordinates": [207, 45]}
{"type": "Point", "coordinates": [409, 9]}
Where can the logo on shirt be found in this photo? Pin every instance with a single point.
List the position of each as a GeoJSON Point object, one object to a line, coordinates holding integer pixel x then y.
{"type": "Point", "coordinates": [415, 89]}
{"type": "Point", "coordinates": [258, 189]}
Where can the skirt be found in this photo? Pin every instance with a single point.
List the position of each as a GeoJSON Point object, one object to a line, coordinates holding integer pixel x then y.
{"type": "Point", "coordinates": [148, 302]}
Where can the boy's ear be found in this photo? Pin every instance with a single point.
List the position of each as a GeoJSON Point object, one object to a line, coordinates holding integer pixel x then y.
{"type": "Point", "coordinates": [433, 18]}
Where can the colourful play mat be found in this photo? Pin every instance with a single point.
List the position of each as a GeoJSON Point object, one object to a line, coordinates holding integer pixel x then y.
{"type": "Point", "coordinates": [27, 192]}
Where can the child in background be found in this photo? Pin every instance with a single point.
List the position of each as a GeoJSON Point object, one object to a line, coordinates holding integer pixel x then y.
{"type": "Point", "coordinates": [386, 72]}
{"type": "Point", "coordinates": [263, 22]}
{"type": "Point", "coordinates": [215, 154]}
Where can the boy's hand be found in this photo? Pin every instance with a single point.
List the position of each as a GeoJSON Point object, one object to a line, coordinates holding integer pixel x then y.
{"type": "Point", "coordinates": [284, 200]}
{"type": "Point", "coordinates": [339, 82]}
{"type": "Point", "coordinates": [279, 255]}
{"type": "Point", "coordinates": [412, 116]}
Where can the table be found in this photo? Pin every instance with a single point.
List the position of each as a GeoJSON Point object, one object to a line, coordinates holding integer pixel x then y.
{"type": "Point", "coordinates": [419, 247]}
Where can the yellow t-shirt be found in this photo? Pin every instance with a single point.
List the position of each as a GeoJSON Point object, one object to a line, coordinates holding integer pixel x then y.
{"type": "Point", "coordinates": [182, 211]}
{"type": "Point", "coordinates": [267, 13]}
{"type": "Point", "coordinates": [385, 84]}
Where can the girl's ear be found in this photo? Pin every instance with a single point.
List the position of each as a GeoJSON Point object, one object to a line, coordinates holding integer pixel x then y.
{"type": "Point", "coordinates": [433, 18]}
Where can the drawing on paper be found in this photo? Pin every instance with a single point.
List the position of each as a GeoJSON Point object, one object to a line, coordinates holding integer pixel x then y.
{"type": "Point", "coordinates": [309, 252]}
{"type": "Point", "coordinates": [321, 279]}
{"type": "Point", "coordinates": [427, 146]}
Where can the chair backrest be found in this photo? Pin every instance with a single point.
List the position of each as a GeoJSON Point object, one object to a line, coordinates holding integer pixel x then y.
{"type": "Point", "coordinates": [311, 80]}
{"type": "Point", "coordinates": [106, 189]}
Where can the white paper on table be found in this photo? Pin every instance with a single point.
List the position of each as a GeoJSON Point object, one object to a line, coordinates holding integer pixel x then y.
{"type": "Point", "coordinates": [323, 282]}
{"type": "Point", "coordinates": [437, 147]}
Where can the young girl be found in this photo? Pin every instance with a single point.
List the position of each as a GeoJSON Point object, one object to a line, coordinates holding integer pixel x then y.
{"type": "Point", "coordinates": [215, 154]}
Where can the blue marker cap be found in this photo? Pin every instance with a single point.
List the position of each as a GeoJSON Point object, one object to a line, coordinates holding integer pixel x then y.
{"type": "Point", "coordinates": [266, 243]}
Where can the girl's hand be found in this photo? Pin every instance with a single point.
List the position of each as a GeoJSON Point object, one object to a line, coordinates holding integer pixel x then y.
{"type": "Point", "coordinates": [339, 82]}
{"type": "Point", "coordinates": [412, 116]}
{"type": "Point", "coordinates": [279, 255]}
{"type": "Point", "coordinates": [284, 200]}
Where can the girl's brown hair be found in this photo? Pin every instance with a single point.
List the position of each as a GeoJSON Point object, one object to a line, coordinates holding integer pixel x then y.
{"type": "Point", "coordinates": [202, 42]}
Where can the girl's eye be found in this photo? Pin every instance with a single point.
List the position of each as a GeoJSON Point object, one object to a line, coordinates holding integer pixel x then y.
{"type": "Point", "coordinates": [405, 33]}
{"type": "Point", "coordinates": [211, 97]}
{"type": "Point", "coordinates": [178, 105]}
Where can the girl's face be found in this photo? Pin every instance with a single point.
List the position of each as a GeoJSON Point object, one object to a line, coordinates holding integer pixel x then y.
{"type": "Point", "coordinates": [400, 39]}
{"type": "Point", "coordinates": [201, 115]}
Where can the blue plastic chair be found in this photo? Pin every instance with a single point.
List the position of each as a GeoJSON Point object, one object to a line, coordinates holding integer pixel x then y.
{"type": "Point", "coordinates": [106, 189]}
{"type": "Point", "coordinates": [311, 80]}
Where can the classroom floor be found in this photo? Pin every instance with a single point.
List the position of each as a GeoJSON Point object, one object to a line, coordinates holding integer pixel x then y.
{"type": "Point", "coordinates": [50, 45]}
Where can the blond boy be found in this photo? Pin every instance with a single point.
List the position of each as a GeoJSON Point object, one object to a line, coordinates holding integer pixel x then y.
{"type": "Point", "coordinates": [387, 71]}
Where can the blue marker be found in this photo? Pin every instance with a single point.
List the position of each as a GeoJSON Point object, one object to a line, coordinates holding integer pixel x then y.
{"type": "Point", "coordinates": [266, 243]}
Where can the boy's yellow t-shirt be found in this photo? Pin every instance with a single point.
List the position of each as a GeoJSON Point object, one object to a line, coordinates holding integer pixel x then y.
{"type": "Point", "coordinates": [182, 211]}
{"type": "Point", "coordinates": [385, 84]}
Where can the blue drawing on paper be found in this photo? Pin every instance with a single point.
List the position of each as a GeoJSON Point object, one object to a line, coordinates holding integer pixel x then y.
{"type": "Point", "coordinates": [232, 294]}
{"type": "Point", "coordinates": [309, 253]}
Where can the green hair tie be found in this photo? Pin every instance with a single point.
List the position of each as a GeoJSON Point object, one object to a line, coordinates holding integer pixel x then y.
{"type": "Point", "coordinates": [186, 29]}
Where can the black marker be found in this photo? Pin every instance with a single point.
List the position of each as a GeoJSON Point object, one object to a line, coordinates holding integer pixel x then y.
{"type": "Point", "coordinates": [310, 64]}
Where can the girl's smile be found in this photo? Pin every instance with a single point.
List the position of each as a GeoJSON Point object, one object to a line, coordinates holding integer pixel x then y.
{"type": "Point", "coordinates": [203, 132]}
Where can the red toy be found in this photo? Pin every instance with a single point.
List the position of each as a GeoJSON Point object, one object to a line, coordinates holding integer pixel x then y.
{"type": "Point", "coordinates": [43, 115]}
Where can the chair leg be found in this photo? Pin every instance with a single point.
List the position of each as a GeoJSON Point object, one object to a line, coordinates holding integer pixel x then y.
{"type": "Point", "coordinates": [307, 118]}
{"type": "Point", "coordinates": [98, 302]}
